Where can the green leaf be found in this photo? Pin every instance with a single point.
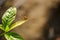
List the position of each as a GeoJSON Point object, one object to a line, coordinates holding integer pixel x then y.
{"type": "Point", "coordinates": [16, 24]}
{"type": "Point", "coordinates": [12, 36]}
{"type": "Point", "coordinates": [8, 17]}
{"type": "Point", "coordinates": [1, 27]}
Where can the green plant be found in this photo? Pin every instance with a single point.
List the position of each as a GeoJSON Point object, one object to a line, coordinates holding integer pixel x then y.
{"type": "Point", "coordinates": [7, 19]}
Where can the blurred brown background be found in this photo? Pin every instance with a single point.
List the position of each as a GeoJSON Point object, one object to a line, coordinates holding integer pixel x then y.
{"type": "Point", "coordinates": [43, 18]}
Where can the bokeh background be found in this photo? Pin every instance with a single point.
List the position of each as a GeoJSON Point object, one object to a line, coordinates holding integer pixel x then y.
{"type": "Point", "coordinates": [43, 18]}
